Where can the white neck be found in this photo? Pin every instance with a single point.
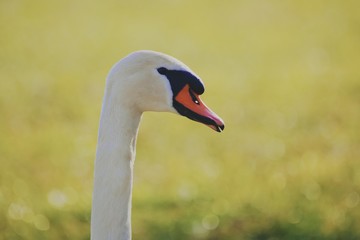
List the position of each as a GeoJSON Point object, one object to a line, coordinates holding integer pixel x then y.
{"type": "Point", "coordinates": [111, 209]}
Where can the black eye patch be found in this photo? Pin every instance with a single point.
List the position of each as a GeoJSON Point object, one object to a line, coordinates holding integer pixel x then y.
{"type": "Point", "coordinates": [179, 78]}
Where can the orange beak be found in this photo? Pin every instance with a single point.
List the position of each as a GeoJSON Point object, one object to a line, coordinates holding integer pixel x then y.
{"type": "Point", "coordinates": [189, 104]}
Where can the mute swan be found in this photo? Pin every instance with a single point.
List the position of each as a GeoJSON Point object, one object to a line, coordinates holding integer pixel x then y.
{"type": "Point", "coordinates": [142, 81]}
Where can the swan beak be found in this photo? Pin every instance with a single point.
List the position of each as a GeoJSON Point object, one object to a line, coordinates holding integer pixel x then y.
{"type": "Point", "coordinates": [189, 104]}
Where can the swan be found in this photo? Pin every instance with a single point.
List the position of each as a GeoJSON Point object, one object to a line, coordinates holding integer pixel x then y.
{"type": "Point", "coordinates": [142, 81]}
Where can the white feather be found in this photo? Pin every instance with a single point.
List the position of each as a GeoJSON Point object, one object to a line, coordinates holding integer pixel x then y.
{"type": "Point", "coordinates": [132, 87]}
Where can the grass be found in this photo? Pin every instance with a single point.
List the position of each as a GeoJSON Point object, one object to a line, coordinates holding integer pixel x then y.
{"type": "Point", "coordinates": [283, 76]}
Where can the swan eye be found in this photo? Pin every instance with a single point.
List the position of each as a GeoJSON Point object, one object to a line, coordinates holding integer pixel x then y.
{"type": "Point", "coordinates": [193, 97]}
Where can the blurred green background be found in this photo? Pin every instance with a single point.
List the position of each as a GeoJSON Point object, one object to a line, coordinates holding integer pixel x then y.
{"type": "Point", "coordinates": [284, 75]}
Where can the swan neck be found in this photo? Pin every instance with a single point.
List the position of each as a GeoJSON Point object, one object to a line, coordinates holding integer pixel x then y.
{"type": "Point", "coordinates": [113, 177]}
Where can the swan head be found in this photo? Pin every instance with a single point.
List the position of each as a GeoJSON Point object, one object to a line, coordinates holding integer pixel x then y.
{"type": "Point", "coordinates": [153, 81]}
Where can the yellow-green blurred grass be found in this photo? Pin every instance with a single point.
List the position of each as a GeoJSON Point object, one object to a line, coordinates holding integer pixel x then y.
{"type": "Point", "coordinates": [284, 76]}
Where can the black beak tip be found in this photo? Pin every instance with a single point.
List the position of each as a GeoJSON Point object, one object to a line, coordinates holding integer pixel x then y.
{"type": "Point", "coordinates": [220, 128]}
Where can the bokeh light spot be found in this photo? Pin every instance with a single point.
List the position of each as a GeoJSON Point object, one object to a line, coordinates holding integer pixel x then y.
{"type": "Point", "coordinates": [41, 222]}
{"type": "Point", "coordinates": [210, 222]}
{"type": "Point", "coordinates": [57, 198]}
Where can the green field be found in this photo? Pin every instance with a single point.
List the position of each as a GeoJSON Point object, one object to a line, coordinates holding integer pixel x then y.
{"type": "Point", "coordinates": [284, 76]}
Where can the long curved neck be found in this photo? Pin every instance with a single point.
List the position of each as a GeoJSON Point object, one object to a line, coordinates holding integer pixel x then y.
{"type": "Point", "coordinates": [111, 209]}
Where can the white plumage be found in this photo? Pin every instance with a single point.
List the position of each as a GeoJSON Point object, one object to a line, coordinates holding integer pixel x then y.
{"type": "Point", "coordinates": [134, 85]}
